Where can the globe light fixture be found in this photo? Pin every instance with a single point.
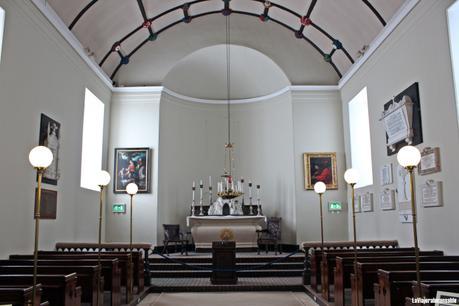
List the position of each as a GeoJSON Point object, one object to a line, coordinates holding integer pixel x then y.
{"type": "Point", "coordinates": [103, 179]}
{"type": "Point", "coordinates": [320, 188]}
{"type": "Point", "coordinates": [409, 157]}
{"type": "Point", "coordinates": [40, 158]}
{"type": "Point", "coordinates": [132, 189]}
{"type": "Point", "coordinates": [351, 176]}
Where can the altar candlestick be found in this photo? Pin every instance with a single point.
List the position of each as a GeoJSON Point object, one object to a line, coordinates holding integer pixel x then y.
{"type": "Point", "coordinates": [210, 191]}
{"type": "Point", "coordinates": [201, 186]}
{"type": "Point", "coordinates": [250, 198]}
{"type": "Point", "coordinates": [258, 201]}
{"type": "Point", "coordinates": [242, 190]}
{"type": "Point", "coordinates": [193, 201]}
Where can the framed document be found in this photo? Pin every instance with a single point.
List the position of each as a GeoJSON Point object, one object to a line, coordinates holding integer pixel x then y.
{"type": "Point", "coordinates": [357, 203]}
{"type": "Point", "coordinates": [431, 193]}
{"type": "Point", "coordinates": [385, 175]}
{"type": "Point", "coordinates": [405, 216]}
{"type": "Point", "coordinates": [387, 199]}
{"type": "Point", "coordinates": [48, 207]}
{"type": "Point", "coordinates": [430, 161]}
{"type": "Point", "coordinates": [445, 298]}
{"type": "Point", "coordinates": [367, 202]}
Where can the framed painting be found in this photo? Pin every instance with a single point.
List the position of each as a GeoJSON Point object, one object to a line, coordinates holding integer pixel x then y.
{"type": "Point", "coordinates": [320, 167]}
{"type": "Point", "coordinates": [50, 135]}
{"type": "Point", "coordinates": [132, 165]}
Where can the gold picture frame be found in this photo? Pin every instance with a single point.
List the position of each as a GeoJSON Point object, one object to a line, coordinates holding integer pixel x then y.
{"type": "Point", "coordinates": [320, 167]}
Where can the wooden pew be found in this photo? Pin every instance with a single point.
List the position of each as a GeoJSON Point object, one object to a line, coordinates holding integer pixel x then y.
{"type": "Point", "coordinates": [394, 286]}
{"type": "Point", "coordinates": [20, 296]}
{"type": "Point", "coordinates": [329, 260]}
{"type": "Point", "coordinates": [124, 259]}
{"type": "Point", "coordinates": [311, 246]}
{"type": "Point", "coordinates": [143, 248]}
{"type": "Point", "coordinates": [87, 278]}
{"type": "Point", "coordinates": [59, 290]}
{"type": "Point", "coordinates": [110, 272]}
{"type": "Point", "coordinates": [345, 266]}
{"type": "Point", "coordinates": [429, 289]}
{"type": "Point", "coordinates": [367, 275]}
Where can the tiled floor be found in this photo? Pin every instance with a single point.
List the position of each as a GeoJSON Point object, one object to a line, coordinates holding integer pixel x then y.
{"type": "Point", "coordinates": [229, 299]}
{"type": "Point", "coordinates": [242, 281]}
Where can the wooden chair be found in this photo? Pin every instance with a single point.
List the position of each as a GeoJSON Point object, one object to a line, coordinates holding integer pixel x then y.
{"type": "Point", "coordinates": [271, 235]}
{"type": "Point", "coordinates": [172, 234]}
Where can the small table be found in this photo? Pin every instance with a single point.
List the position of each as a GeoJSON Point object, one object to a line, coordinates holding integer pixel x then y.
{"type": "Point", "coordinates": [223, 258]}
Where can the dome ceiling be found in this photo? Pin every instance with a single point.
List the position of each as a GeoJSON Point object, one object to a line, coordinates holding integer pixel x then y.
{"type": "Point", "coordinates": [129, 38]}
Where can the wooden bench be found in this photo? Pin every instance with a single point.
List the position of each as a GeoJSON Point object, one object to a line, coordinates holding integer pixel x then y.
{"type": "Point", "coordinates": [345, 266]}
{"type": "Point", "coordinates": [329, 261]}
{"type": "Point", "coordinates": [20, 296]}
{"type": "Point", "coordinates": [124, 260]}
{"type": "Point", "coordinates": [87, 278]}
{"type": "Point", "coordinates": [429, 289]}
{"type": "Point", "coordinates": [308, 247]}
{"type": "Point", "coordinates": [394, 286]}
{"type": "Point", "coordinates": [110, 272]}
{"type": "Point", "coordinates": [368, 274]}
{"type": "Point", "coordinates": [144, 249]}
{"type": "Point", "coordinates": [59, 290]}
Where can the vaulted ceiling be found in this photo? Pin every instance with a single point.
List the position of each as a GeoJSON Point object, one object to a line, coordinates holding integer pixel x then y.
{"type": "Point", "coordinates": [137, 42]}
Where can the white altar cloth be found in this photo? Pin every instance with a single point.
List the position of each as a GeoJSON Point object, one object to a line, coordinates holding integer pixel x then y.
{"type": "Point", "coordinates": [206, 229]}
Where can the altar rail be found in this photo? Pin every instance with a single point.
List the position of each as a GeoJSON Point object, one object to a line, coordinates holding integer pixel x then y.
{"type": "Point", "coordinates": [339, 245]}
{"type": "Point", "coordinates": [145, 248]}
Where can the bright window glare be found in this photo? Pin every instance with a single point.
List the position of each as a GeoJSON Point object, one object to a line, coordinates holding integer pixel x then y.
{"type": "Point", "coordinates": [453, 25]}
{"type": "Point", "coordinates": [2, 24]}
{"type": "Point", "coordinates": [359, 126]}
{"type": "Point", "coordinates": [91, 151]}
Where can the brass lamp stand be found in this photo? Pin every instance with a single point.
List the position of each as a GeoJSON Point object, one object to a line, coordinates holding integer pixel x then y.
{"type": "Point", "coordinates": [103, 181]}
{"type": "Point", "coordinates": [320, 188]}
{"type": "Point", "coordinates": [131, 189]}
{"type": "Point", "coordinates": [40, 158]}
{"type": "Point", "coordinates": [351, 176]}
{"type": "Point", "coordinates": [409, 157]}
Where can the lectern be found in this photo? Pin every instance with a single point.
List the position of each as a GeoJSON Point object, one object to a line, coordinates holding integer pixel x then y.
{"type": "Point", "coordinates": [223, 263]}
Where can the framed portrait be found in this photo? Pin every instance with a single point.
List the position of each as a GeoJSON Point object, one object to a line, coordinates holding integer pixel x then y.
{"type": "Point", "coordinates": [48, 204]}
{"type": "Point", "coordinates": [132, 165]}
{"type": "Point", "coordinates": [320, 167]}
{"type": "Point", "coordinates": [50, 135]}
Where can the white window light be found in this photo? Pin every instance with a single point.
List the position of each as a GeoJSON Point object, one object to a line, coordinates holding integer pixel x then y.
{"type": "Point", "coordinates": [2, 25]}
{"type": "Point", "coordinates": [453, 29]}
{"type": "Point", "coordinates": [93, 133]}
{"type": "Point", "coordinates": [359, 128]}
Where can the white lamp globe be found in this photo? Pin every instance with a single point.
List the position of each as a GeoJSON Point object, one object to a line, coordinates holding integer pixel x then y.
{"type": "Point", "coordinates": [132, 188]}
{"type": "Point", "coordinates": [320, 187]}
{"type": "Point", "coordinates": [351, 176]}
{"type": "Point", "coordinates": [409, 156]}
{"type": "Point", "coordinates": [40, 157]}
{"type": "Point", "coordinates": [103, 178]}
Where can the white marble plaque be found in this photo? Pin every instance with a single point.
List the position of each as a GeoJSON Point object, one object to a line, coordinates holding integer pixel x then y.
{"type": "Point", "coordinates": [385, 175]}
{"type": "Point", "coordinates": [367, 202]}
{"type": "Point", "coordinates": [403, 185]}
{"type": "Point", "coordinates": [357, 203]}
{"type": "Point", "coordinates": [406, 216]}
{"type": "Point", "coordinates": [431, 194]}
{"type": "Point", "coordinates": [387, 199]}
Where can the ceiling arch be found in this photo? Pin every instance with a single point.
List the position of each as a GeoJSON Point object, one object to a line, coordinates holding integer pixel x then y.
{"type": "Point", "coordinates": [115, 30]}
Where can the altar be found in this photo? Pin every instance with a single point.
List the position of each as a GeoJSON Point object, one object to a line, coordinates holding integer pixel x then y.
{"type": "Point", "coordinates": [206, 229]}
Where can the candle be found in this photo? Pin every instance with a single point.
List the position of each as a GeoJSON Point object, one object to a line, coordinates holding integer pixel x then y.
{"type": "Point", "coordinates": [194, 184]}
{"type": "Point", "coordinates": [210, 181]}
{"type": "Point", "coordinates": [201, 184]}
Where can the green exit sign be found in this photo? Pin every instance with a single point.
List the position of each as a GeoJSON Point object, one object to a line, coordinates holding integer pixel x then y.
{"type": "Point", "coordinates": [335, 206]}
{"type": "Point", "coordinates": [119, 208]}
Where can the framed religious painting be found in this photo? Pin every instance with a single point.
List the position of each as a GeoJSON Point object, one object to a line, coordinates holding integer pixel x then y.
{"type": "Point", "coordinates": [320, 167]}
{"type": "Point", "coordinates": [50, 136]}
{"type": "Point", "coordinates": [132, 165]}
{"type": "Point", "coordinates": [48, 207]}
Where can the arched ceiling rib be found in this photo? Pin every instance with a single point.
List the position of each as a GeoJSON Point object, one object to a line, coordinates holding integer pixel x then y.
{"type": "Point", "coordinates": [115, 30]}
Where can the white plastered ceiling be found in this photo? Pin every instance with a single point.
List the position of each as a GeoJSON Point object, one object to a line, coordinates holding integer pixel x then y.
{"type": "Point", "coordinates": [106, 22]}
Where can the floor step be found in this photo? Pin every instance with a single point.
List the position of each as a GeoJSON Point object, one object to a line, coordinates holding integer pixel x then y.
{"type": "Point", "coordinates": [245, 273]}
{"type": "Point", "coordinates": [299, 258]}
{"type": "Point", "coordinates": [194, 266]}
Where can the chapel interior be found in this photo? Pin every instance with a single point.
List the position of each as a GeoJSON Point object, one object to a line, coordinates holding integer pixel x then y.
{"type": "Point", "coordinates": [229, 152]}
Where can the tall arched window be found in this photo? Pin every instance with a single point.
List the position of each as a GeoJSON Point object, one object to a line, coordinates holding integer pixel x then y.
{"type": "Point", "coordinates": [2, 24]}
{"type": "Point", "coordinates": [453, 28]}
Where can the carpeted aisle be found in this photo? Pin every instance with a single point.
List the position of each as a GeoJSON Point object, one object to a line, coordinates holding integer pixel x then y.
{"type": "Point", "coordinates": [229, 299]}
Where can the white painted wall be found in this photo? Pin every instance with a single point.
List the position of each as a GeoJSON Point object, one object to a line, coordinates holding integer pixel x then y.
{"type": "Point", "coordinates": [134, 124]}
{"type": "Point", "coordinates": [41, 73]}
{"type": "Point", "coordinates": [417, 51]}
{"type": "Point", "coordinates": [317, 127]}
